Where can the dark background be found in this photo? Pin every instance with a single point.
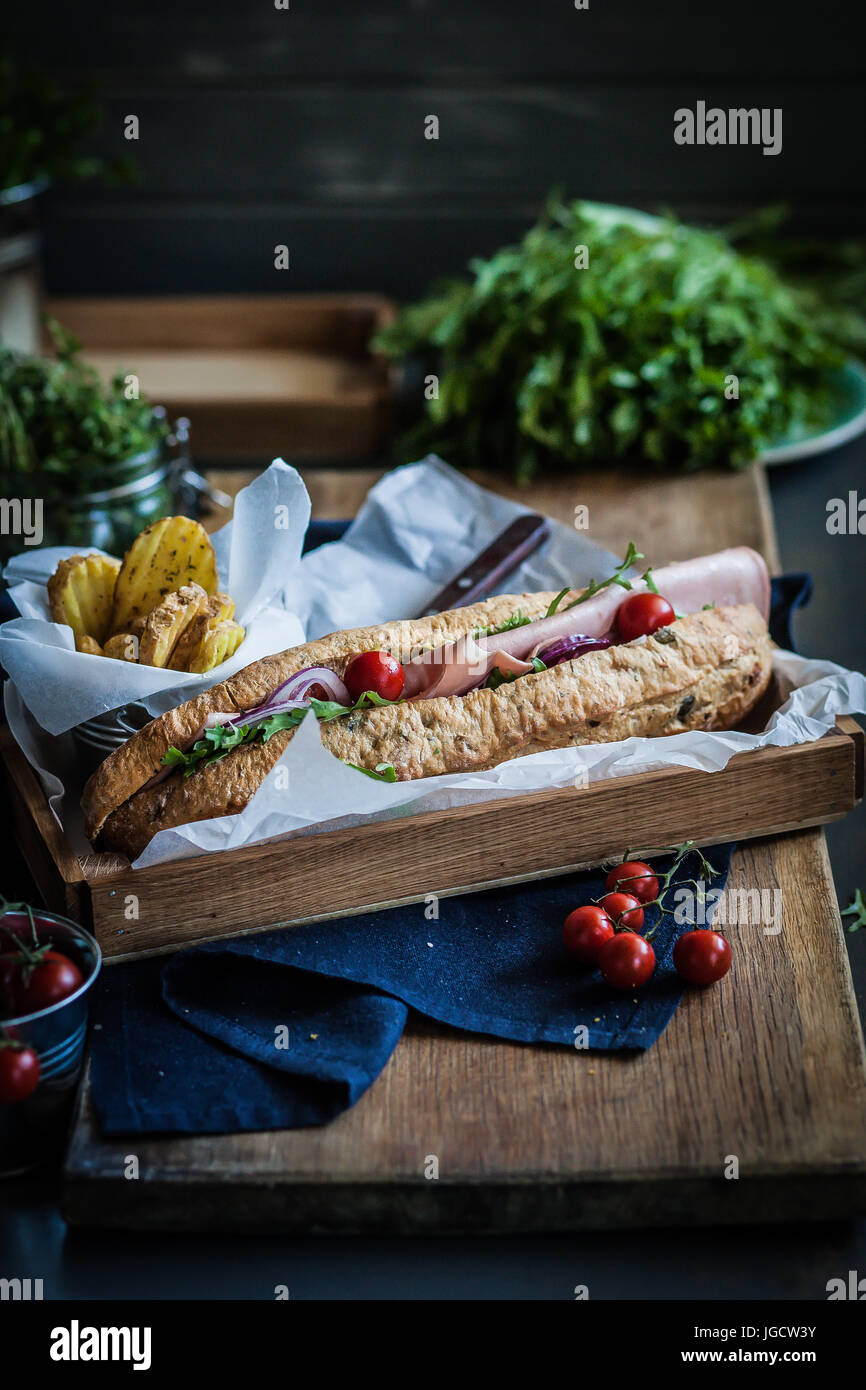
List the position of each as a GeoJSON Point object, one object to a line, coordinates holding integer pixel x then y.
{"type": "Point", "coordinates": [305, 127]}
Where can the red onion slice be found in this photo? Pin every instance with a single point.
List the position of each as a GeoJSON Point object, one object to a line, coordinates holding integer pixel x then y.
{"type": "Point", "coordinates": [294, 693]}
{"type": "Point", "coordinates": [298, 687]}
{"type": "Point", "coordinates": [567, 648]}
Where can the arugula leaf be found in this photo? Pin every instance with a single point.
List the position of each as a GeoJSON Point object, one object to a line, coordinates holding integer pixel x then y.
{"type": "Point", "coordinates": [632, 555]}
{"type": "Point", "coordinates": [545, 367]}
{"type": "Point", "coordinates": [216, 742]}
{"type": "Point", "coordinates": [497, 677]}
{"type": "Point", "coordinates": [518, 619]}
{"type": "Point", "coordinates": [857, 910]}
{"type": "Point", "coordinates": [554, 604]}
{"type": "Point", "coordinates": [647, 577]}
{"type": "Point", "coordinates": [385, 772]}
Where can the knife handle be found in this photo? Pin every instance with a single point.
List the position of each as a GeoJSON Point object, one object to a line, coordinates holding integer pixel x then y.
{"type": "Point", "coordinates": [488, 569]}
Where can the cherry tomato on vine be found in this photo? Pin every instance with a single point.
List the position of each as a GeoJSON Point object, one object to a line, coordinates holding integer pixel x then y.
{"type": "Point", "coordinates": [376, 671]}
{"type": "Point", "coordinates": [641, 614]}
{"type": "Point", "coordinates": [626, 961]}
{"type": "Point", "coordinates": [584, 932]}
{"type": "Point", "coordinates": [53, 979]}
{"type": "Point", "coordinates": [19, 1073]}
{"type": "Point", "coordinates": [702, 957]}
{"type": "Point", "coordinates": [633, 877]}
{"type": "Point", "coordinates": [624, 909]}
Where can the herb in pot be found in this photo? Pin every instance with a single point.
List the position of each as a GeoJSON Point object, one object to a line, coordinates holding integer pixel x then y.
{"type": "Point", "coordinates": [59, 420]}
{"type": "Point", "coordinates": [94, 459]}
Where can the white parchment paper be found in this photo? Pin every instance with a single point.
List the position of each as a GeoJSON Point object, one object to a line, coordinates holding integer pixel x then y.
{"type": "Point", "coordinates": [419, 527]}
{"type": "Point", "coordinates": [257, 554]}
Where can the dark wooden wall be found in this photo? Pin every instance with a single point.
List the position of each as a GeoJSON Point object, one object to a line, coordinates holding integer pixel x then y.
{"type": "Point", "coordinates": [305, 127]}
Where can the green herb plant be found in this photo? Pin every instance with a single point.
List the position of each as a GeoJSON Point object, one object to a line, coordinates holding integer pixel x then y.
{"type": "Point", "coordinates": [669, 347]}
{"type": "Point", "coordinates": [59, 420]}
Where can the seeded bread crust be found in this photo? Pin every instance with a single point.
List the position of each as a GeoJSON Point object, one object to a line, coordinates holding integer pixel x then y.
{"type": "Point", "coordinates": [130, 767]}
{"type": "Point", "coordinates": [705, 671]}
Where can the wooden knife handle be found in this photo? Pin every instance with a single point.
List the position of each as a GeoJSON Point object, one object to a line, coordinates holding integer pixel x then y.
{"type": "Point", "coordinates": [487, 570]}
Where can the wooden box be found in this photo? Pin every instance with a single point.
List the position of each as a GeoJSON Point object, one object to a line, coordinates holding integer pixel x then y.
{"type": "Point", "coordinates": [462, 849]}
{"type": "Point", "coordinates": [257, 375]}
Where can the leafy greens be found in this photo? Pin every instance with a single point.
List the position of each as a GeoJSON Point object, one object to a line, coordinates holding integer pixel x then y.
{"type": "Point", "coordinates": [215, 743]}
{"type": "Point", "coordinates": [669, 346]}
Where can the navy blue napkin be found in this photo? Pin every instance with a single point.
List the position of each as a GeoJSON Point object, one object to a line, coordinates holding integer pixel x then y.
{"type": "Point", "coordinates": [291, 1027]}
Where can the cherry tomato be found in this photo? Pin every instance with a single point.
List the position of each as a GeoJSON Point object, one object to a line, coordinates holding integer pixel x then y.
{"type": "Point", "coordinates": [702, 957]}
{"type": "Point", "coordinates": [626, 961]}
{"type": "Point", "coordinates": [584, 932]}
{"type": "Point", "coordinates": [624, 909]}
{"type": "Point", "coordinates": [641, 614]}
{"type": "Point", "coordinates": [53, 979]}
{"type": "Point", "coordinates": [19, 1073]}
{"type": "Point", "coordinates": [633, 877]}
{"type": "Point", "coordinates": [376, 671]}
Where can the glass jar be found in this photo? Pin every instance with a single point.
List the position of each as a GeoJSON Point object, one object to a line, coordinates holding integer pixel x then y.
{"type": "Point", "coordinates": [111, 514]}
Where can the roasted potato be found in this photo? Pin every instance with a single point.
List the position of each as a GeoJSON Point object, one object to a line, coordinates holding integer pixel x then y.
{"type": "Point", "coordinates": [216, 646]}
{"type": "Point", "coordinates": [167, 622]}
{"type": "Point", "coordinates": [88, 645]}
{"type": "Point", "coordinates": [167, 555]}
{"type": "Point", "coordinates": [81, 594]}
{"type": "Point", "coordinates": [123, 646]}
{"type": "Point", "coordinates": [218, 608]}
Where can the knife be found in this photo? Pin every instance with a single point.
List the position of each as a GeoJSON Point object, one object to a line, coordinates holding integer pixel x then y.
{"type": "Point", "coordinates": [488, 569]}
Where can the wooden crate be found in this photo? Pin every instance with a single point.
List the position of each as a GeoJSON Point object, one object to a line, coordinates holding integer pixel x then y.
{"type": "Point", "coordinates": [457, 850]}
{"type": "Point", "coordinates": [257, 375]}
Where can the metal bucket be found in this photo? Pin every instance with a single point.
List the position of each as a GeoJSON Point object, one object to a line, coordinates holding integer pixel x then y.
{"type": "Point", "coordinates": [98, 737]}
{"type": "Point", "coordinates": [32, 1131]}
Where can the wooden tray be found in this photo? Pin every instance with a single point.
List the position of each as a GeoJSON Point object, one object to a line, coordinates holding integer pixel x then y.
{"type": "Point", "coordinates": [768, 1066]}
{"type": "Point", "coordinates": [444, 852]}
{"type": "Point", "coordinates": [256, 375]}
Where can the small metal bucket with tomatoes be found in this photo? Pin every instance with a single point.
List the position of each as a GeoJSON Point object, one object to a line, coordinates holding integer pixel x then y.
{"type": "Point", "coordinates": [47, 967]}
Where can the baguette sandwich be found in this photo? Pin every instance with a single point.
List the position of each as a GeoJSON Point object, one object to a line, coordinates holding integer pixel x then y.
{"type": "Point", "coordinates": [461, 691]}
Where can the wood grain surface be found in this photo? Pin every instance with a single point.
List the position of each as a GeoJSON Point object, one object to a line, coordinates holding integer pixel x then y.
{"type": "Point", "coordinates": [249, 369]}
{"type": "Point", "coordinates": [444, 852]}
{"type": "Point", "coordinates": [672, 518]}
{"type": "Point", "coordinates": [767, 1068]}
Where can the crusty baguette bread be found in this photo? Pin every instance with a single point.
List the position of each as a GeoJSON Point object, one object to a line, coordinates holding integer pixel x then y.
{"type": "Point", "coordinates": [129, 767]}
{"type": "Point", "coordinates": [704, 671]}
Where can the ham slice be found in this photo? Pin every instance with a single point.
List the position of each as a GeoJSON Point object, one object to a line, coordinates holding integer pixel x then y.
{"type": "Point", "coordinates": [462, 665]}
{"type": "Point", "coordinates": [726, 579]}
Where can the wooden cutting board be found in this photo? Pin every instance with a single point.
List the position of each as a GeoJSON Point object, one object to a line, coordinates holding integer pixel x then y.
{"type": "Point", "coordinates": [764, 1074]}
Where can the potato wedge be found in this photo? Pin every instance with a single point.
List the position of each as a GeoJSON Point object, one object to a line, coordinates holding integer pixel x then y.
{"type": "Point", "coordinates": [166, 623]}
{"type": "Point", "coordinates": [219, 607]}
{"type": "Point", "coordinates": [81, 594]}
{"type": "Point", "coordinates": [216, 646]}
{"type": "Point", "coordinates": [168, 554]}
{"type": "Point", "coordinates": [123, 646]}
{"type": "Point", "coordinates": [88, 645]}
